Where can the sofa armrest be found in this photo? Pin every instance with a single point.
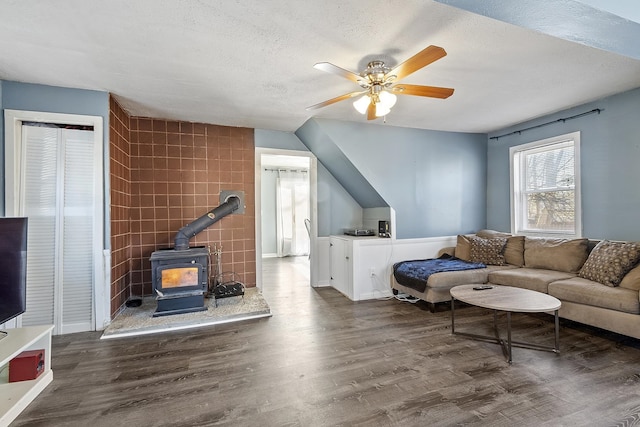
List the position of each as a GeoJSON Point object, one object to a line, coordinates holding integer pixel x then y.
{"type": "Point", "coordinates": [450, 250]}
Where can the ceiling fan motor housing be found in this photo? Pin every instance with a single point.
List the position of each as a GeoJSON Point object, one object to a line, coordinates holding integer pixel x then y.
{"type": "Point", "coordinates": [376, 74]}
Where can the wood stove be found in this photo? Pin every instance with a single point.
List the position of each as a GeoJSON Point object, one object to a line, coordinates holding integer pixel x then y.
{"type": "Point", "coordinates": [180, 280]}
{"type": "Point", "coordinates": [180, 275]}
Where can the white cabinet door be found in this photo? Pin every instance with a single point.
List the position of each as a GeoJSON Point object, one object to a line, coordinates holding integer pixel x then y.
{"type": "Point", "coordinates": [340, 251]}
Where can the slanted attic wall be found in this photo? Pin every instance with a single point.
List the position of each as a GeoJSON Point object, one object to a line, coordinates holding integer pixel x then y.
{"type": "Point", "coordinates": [435, 181]}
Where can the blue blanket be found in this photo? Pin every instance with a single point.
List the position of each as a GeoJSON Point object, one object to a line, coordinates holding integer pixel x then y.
{"type": "Point", "coordinates": [414, 274]}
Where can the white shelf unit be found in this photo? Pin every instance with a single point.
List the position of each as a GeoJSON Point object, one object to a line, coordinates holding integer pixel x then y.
{"type": "Point", "coordinates": [16, 396]}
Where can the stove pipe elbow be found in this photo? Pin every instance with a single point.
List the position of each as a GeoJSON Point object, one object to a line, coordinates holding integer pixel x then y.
{"type": "Point", "coordinates": [181, 241]}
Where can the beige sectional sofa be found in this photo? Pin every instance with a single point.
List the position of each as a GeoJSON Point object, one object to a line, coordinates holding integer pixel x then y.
{"type": "Point", "coordinates": [598, 282]}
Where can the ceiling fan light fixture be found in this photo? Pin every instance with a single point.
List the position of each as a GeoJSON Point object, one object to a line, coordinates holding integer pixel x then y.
{"type": "Point", "coordinates": [387, 99]}
{"type": "Point", "coordinates": [362, 104]}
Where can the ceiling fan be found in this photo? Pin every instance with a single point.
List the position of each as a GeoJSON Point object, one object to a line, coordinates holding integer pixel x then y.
{"type": "Point", "coordinates": [380, 83]}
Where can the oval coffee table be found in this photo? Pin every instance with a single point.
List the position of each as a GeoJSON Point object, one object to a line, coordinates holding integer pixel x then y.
{"type": "Point", "coordinates": [509, 300]}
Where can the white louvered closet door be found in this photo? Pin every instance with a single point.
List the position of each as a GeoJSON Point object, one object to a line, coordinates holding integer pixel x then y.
{"type": "Point", "coordinates": [39, 195]}
{"type": "Point", "coordinates": [58, 193]}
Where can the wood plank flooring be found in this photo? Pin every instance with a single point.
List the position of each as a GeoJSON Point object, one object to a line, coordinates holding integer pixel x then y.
{"type": "Point", "coordinates": [322, 360]}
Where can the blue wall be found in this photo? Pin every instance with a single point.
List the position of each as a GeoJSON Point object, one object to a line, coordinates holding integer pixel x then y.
{"type": "Point", "coordinates": [435, 181]}
{"type": "Point", "coordinates": [278, 140]}
{"type": "Point", "coordinates": [313, 133]}
{"type": "Point", "coordinates": [609, 163]}
{"type": "Point", "coordinates": [337, 210]}
{"type": "Point", "coordinates": [50, 99]}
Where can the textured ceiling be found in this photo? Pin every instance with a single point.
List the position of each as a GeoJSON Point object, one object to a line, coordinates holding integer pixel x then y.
{"type": "Point", "coordinates": [249, 63]}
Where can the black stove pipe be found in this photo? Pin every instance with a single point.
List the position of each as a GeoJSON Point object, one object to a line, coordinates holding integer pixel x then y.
{"type": "Point", "coordinates": [206, 220]}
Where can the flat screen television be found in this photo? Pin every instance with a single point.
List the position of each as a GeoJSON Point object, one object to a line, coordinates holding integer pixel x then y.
{"type": "Point", "coordinates": [13, 268]}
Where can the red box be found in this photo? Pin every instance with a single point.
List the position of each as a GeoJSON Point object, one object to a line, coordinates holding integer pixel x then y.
{"type": "Point", "coordinates": [28, 365]}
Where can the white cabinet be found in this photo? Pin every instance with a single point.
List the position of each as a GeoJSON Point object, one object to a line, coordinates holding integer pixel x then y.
{"type": "Point", "coordinates": [14, 397]}
{"type": "Point", "coordinates": [360, 266]}
{"type": "Point", "coordinates": [341, 253]}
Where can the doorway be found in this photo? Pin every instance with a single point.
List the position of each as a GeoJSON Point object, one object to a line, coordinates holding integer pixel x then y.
{"type": "Point", "coordinates": [286, 229]}
{"type": "Point", "coordinates": [285, 206]}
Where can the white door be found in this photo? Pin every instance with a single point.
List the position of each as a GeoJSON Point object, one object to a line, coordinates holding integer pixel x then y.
{"type": "Point", "coordinates": [57, 193]}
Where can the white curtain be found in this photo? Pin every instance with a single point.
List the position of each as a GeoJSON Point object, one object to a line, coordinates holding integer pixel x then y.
{"type": "Point", "coordinates": [292, 208]}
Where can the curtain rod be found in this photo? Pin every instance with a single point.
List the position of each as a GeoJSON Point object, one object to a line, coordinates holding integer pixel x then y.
{"type": "Point", "coordinates": [595, 110]}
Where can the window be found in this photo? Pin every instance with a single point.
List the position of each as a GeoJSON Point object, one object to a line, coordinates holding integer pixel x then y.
{"type": "Point", "coordinates": [545, 187]}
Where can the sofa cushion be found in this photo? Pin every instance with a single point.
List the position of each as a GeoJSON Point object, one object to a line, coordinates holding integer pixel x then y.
{"type": "Point", "coordinates": [631, 280]}
{"type": "Point", "coordinates": [555, 254]}
{"type": "Point", "coordinates": [514, 249]}
{"type": "Point", "coordinates": [449, 279]}
{"type": "Point", "coordinates": [588, 292]}
{"type": "Point", "coordinates": [463, 247]}
{"type": "Point", "coordinates": [487, 251]}
{"type": "Point", "coordinates": [527, 278]}
{"type": "Point", "coordinates": [609, 261]}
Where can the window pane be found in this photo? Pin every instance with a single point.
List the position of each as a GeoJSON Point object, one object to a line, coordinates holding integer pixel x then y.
{"type": "Point", "coordinates": [552, 210]}
{"type": "Point", "coordinates": [551, 169]}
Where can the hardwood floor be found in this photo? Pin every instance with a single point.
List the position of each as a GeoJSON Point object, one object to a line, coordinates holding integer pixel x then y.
{"type": "Point", "coordinates": [322, 360]}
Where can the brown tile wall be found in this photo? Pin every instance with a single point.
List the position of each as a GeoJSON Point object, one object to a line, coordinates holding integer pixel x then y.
{"type": "Point", "coordinates": [177, 172]}
{"type": "Point", "coordinates": [120, 171]}
{"type": "Point", "coordinates": [164, 174]}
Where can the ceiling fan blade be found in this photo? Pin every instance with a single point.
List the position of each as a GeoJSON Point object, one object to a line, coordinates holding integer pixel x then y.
{"type": "Point", "coordinates": [334, 69]}
{"type": "Point", "coordinates": [371, 111]}
{"type": "Point", "coordinates": [336, 99]}
{"type": "Point", "coordinates": [417, 61]}
{"type": "Point", "coordinates": [417, 90]}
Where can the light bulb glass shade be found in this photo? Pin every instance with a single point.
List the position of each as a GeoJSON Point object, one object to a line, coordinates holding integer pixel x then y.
{"type": "Point", "coordinates": [362, 104]}
{"type": "Point", "coordinates": [387, 99]}
{"type": "Point", "coordinates": [382, 110]}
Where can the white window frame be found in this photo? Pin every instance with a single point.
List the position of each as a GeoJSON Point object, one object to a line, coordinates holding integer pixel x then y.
{"type": "Point", "coordinates": [516, 180]}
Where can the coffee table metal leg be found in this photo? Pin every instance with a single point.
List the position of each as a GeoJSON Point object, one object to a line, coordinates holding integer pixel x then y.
{"type": "Point", "coordinates": [453, 316]}
{"type": "Point", "coordinates": [496, 333]}
{"type": "Point", "coordinates": [509, 335]}
{"type": "Point", "coordinates": [557, 322]}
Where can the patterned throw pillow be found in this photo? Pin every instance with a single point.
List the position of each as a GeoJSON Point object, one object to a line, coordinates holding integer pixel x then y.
{"type": "Point", "coordinates": [513, 250]}
{"type": "Point", "coordinates": [609, 261]}
{"type": "Point", "coordinates": [487, 251]}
